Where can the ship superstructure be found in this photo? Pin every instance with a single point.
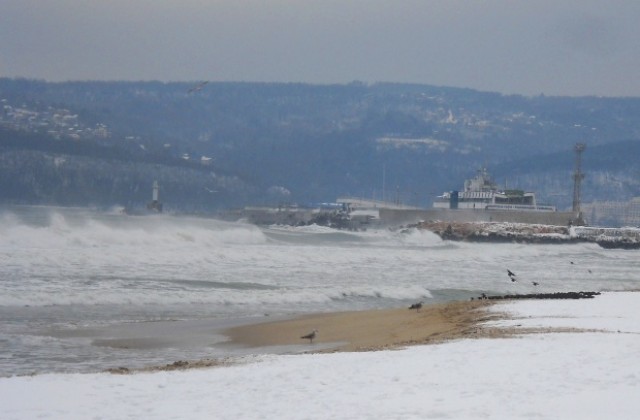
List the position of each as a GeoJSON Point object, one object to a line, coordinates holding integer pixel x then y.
{"type": "Point", "coordinates": [481, 193]}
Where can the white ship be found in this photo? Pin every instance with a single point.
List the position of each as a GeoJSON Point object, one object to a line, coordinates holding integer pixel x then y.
{"type": "Point", "coordinates": [481, 193]}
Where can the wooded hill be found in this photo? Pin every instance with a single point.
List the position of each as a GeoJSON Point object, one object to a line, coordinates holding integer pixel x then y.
{"type": "Point", "coordinates": [230, 144]}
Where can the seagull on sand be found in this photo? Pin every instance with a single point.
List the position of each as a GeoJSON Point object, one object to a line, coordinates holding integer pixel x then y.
{"type": "Point", "coordinates": [416, 306]}
{"type": "Point", "coordinates": [310, 336]}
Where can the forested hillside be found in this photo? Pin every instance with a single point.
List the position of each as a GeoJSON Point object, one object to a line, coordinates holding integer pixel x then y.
{"type": "Point", "coordinates": [219, 145]}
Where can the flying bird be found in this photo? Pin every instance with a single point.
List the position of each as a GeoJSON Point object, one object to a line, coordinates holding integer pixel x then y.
{"type": "Point", "coordinates": [535, 283]}
{"type": "Point", "coordinates": [198, 87]}
{"type": "Point", "coordinates": [512, 275]}
{"type": "Point", "coordinates": [310, 336]}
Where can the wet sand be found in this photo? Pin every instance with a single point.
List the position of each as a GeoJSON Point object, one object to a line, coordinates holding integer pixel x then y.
{"type": "Point", "coordinates": [370, 330]}
{"type": "Point", "coordinates": [360, 331]}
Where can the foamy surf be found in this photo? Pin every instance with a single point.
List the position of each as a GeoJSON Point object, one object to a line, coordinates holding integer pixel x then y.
{"type": "Point", "coordinates": [80, 267]}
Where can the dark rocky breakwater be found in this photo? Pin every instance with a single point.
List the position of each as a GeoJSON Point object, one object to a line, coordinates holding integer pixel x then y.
{"type": "Point", "coordinates": [497, 232]}
{"type": "Point", "coordinates": [556, 295]}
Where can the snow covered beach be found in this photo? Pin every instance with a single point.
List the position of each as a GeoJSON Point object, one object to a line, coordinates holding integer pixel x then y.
{"type": "Point", "coordinates": [591, 374]}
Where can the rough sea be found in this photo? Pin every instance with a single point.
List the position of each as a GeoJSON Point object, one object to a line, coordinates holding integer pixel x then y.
{"type": "Point", "coordinates": [84, 290]}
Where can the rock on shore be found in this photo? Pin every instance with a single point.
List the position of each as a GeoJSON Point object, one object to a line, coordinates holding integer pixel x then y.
{"type": "Point", "coordinates": [556, 295]}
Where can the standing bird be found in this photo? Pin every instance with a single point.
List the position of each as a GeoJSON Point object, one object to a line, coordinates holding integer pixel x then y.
{"type": "Point", "coordinates": [416, 306]}
{"type": "Point", "coordinates": [310, 336]}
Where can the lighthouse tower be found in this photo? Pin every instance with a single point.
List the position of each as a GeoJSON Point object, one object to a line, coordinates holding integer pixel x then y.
{"type": "Point", "coordinates": [155, 204]}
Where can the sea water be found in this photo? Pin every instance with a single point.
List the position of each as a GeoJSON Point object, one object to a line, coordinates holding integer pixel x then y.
{"type": "Point", "coordinates": [86, 290]}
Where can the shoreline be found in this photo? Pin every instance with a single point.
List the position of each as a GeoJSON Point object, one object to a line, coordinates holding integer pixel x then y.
{"type": "Point", "coordinates": [369, 330]}
{"type": "Point", "coordinates": [355, 331]}
{"type": "Point", "coordinates": [586, 346]}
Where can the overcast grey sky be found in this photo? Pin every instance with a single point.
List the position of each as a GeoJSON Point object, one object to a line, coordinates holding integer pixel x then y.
{"type": "Point", "coordinates": [554, 47]}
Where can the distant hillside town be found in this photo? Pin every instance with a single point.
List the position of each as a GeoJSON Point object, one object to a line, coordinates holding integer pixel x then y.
{"type": "Point", "coordinates": [230, 145]}
{"type": "Point", "coordinates": [55, 122]}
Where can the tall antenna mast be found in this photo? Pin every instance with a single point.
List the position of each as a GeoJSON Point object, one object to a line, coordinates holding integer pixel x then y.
{"type": "Point", "coordinates": [384, 180]}
{"type": "Point", "coordinates": [578, 176]}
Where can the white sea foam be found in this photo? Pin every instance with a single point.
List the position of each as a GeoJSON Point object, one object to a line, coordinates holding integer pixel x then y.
{"type": "Point", "coordinates": [107, 260]}
{"type": "Point", "coordinates": [77, 266]}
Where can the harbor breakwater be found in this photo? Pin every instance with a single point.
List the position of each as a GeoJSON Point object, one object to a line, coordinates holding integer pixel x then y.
{"type": "Point", "coordinates": [626, 238]}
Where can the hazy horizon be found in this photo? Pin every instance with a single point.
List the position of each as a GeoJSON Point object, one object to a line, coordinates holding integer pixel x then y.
{"type": "Point", "coordinates": [574, 48]}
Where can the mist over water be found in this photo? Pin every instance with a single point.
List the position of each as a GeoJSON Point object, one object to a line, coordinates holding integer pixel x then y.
{"type": "Point", "coordinates": [68, 276]}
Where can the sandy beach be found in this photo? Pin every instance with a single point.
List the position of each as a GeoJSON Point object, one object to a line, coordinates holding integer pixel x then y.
{"type": "Point", "coordinates": [355, 331]}
{"type": "Point", "coordinates": [560, 374]}
{"type": "Point", "coordinates": [371, 330]}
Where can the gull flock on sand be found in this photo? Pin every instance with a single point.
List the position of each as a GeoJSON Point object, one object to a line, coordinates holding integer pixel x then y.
{"type": "Point", "coordinates": [581, 362]}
